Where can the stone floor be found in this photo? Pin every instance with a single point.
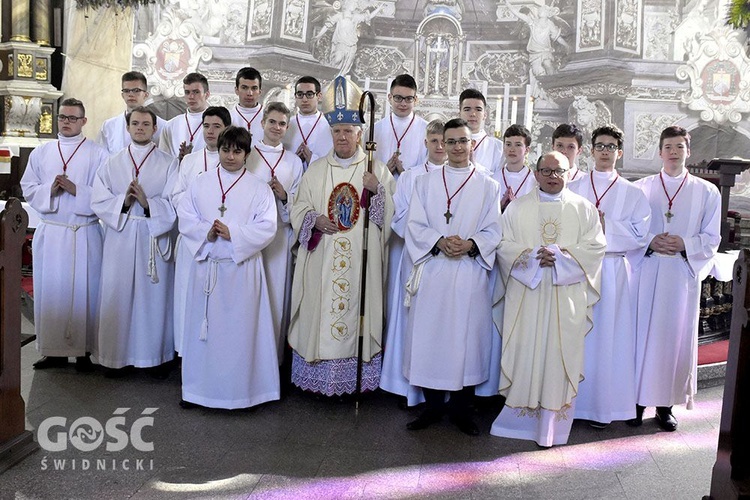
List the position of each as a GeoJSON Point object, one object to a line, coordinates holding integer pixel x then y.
{"type": "Point", "coordinates": [302, 447]}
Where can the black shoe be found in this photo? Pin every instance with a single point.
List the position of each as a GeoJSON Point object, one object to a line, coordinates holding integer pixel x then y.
{"type": "Point", "coordinates": [50, 362]}
{"type": "Point", "coordinates": [117, 372]}
{"type": "Point", "coordinates": [598, 425]}
{"type": "Point", "coordinates": [465, 425]}
{"type": "Point", "coordinates": [84, 364]}
{"type": "Point", "coordinates": [187, 405]}
{"type": "Point", "coordinates": [665, 419]}
{"type": "Point", "coordinates": [638, 420]}
{"type": "Point", "coordinates": [426, 419]}
{"type": "Point", "coordinates": [160, 372]}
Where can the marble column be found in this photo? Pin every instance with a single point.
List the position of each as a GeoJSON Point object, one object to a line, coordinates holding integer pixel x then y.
{"type": "Point", "coordinates": [41, 22]}
{"type": "Point", "coordinates": [20, 14]}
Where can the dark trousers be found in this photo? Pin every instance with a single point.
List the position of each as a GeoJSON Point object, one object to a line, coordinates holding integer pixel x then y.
{"type": "Point", "coordinates": [459, 404]}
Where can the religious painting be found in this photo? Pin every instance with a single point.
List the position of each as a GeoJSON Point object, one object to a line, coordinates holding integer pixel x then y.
{"type": "Point", "coordinates": [590, 33]}
{"type": "Point", "coordinates": [172, 59]}
{"type": "Point", "coordinates": [343, 206]}
{"type": "Point", "coordinates": [721, 80]}
{"type": "Point", "coordinates": [294, 20]}
{"type": "Point", "coordinates": [260, 15]}
{"type": "Point", "coordinates": [628, 25]}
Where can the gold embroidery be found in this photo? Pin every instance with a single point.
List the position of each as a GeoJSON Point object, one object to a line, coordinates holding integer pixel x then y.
{"type": "Point", "coordinates": [523, 259]}
{"type": "Point", "coordinates": [550, 229]}
{"type": "Point", "coordinates": [340, 287]}
{"type": "Point", "coordinates": [560, 415]}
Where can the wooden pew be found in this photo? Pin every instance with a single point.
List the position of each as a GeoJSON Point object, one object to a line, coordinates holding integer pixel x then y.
{"type": "Point", "coordinates": [15, 441]}
{"type": "Point", "coordinates": [731, 473]}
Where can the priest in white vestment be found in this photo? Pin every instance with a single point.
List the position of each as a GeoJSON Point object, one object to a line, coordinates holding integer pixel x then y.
{"type": "Point", "coordinates": [309, 135]}
{"type": "Point", "coordinates": [215, 120]}
{"type": "Point", "coordinates": [282, 170]}
{"type": "Point", "coordinates": [114, 134]}
{"type": "Point", "coordinates": [392, 377]}
{"type": "Point", "coordinates": [182, 134]}
{"type": "Point", "coordinates": [327, 217]}
{"type": "Point", "coordinates": [567, 139]}
{"type": "Point", "coordinates": [131, 196]}
{"type": "Point", "coordinates": [550, 260]}
{"type": "Point", "coordinates": [227, 217]}
{"type": "Point", "coordinates": [607, 392]}
{"type": "Point", "coordinates": [453, 230]}
{"type": "Point", "coordinates": [683, 238]}
{"type": "Point", "coordinates": [488, 151]}
{"type": "Point", "coordinates": [67, 254]}
{"type": "Point", "coordinates": [248, 112]}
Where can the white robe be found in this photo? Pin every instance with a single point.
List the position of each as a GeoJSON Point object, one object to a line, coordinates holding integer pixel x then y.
{"type": "Point", "coordinates": [114, 134]}
{"type": "Point", "coordinates": [488, 152]}
{"type": "Point", "coordinates": [176, 131]}
{"type": "Point", "coordinates": [448, 334]}
{"type": "Point", "coordinates": [135, 326]}
{"type": "Point", "coordinates": [319, 138]}
{"type": "Point", "coordinates": [607, 392]}
{"type": "Point", "coordinates": [192, 166]}
{"type": "Point", "coordinates": [669, 289]}
{"type": "Point", "coordinates": [413, 151]}
{"type": "Point", "coordinates": [521, 182]}
{"type": "Point", "coordinates": [392, 377]}
{"type": "Point", "coordinates": [548, 311]}
{"type": "Point", "coordinates": [229, 353]}
{"type": "Point", "coordinates": [67, 247]}
{"type": "Point", "coordinates": [277, 256]}
{"type": "Point", "coordinates": [241, 116]}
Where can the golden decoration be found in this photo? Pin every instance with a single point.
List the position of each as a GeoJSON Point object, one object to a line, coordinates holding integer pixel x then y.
{"type": "Point", "coordinates": [45, 122]}
{"type": "Point", "coordinates": [25, 67]}
{"type": "Point", "coordinates": [41, 69]}
{"type": "Point", "coordinates": [11, 72]}
{"type": "Point", "coordinates": [550, 230]}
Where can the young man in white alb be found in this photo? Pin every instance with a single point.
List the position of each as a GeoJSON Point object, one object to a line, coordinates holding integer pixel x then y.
{"type": "Point", "coordinates": [182, 134]}
{"type": "Point", "coordinates": [488, 151]}
{"type": "Point", "coordinates": [308, 135]}
{"type": "Point", "coordinates": [248, 112]}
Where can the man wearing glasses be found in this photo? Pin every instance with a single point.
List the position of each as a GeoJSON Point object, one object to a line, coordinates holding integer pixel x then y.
{"type": "Point", "coordinates": [308, 135]}
{"type": "Point", "coordinates": [608, 392]}
{"type": "Point", "coordinates": [68, 242]}
{"type": "Point", "coordinates": [550, 259]}
{"type": "Point", "coordinates": [114, 133]}
{"type": "Point", "coordinates": [400, 135]}
{"type": "Point", "coordinates": [183, 134]}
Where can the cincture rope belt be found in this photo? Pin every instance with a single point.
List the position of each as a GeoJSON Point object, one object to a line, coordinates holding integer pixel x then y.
{"type": "Point", "coordinates": [74, 228]}
{"type": "Point", "coordinates": [412, 284]}
{"type": "Point", "coordinates": [152, 251]}
{"type": "Point", "coordinates": [208, 288]}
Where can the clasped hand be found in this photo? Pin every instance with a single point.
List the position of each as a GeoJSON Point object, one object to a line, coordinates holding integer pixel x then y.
{"type": "Point", "coordinates": [454, 246]}
{"type": "Point", "coordinates": [218, 229]}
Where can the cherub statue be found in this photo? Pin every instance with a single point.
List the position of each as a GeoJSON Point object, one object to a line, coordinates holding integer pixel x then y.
{"type": "Point", "coordinates": [544, 31]}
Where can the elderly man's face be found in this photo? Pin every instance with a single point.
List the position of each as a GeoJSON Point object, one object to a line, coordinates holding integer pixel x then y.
{"type": "Point", "coordinates": [345, 139]}
{"type": "Point", "coordinates": [552, 173]}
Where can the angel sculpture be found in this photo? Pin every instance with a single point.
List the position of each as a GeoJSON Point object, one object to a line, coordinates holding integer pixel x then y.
{"type": "Point", "coordinates": [345, 17]}
{"type": "Point", "coordinates": [543, 22]}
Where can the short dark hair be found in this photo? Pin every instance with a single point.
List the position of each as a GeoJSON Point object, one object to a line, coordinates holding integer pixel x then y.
{"type": "Point", "coordinates": [276, 106]}
{"type": "Point", "coordinates": [141, 109]}
{"type": "Point", "coordinates": [238, 137]}
{"type": "Point", "coordinates": [455, 123]}
{"type": "Point", "coordinates": [196, 78]}
{"type": "Point", "coordinates": [674, 131]}
{"type": "Point", "coordinates": [404, 80]}
{"type": "Point", "coordinates": [568, 130]}
{"type": "Point", "coordinates": [135, 76]}
{"type": "Point", "coordinates": [518, 131]}
{"type": "Point", "coordinates": [610, 130]}
{"type": "Point", "coordinates": [248, 73]}
{"type": "Point", "coordinates": [471, 94]}
{"type": "Point", "coordinates": [218, 111]}
{"type": "Point", "coordinates": [73, 102]}
{"type": "Point", "coordinates": [306, 79]}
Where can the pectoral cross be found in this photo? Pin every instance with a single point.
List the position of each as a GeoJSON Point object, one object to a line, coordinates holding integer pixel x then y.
{"type": "Point", "coordinates": [669, 215]}
{"type": "Point", "coordinates": [448, 216]}
{"type": "Point", "coordinates": [222, 209]}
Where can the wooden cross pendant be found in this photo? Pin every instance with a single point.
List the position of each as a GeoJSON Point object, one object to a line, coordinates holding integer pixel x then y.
{"type": "Point", "coordinates": [448, 216]}
{"type": "Point", "coordinates": [222, 209]}
{"type": "Point", "coordinates": [669, 215]}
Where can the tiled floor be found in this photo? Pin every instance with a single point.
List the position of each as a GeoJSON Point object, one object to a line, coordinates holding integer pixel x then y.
{"type": "Point", "coordinates": [301, 447]}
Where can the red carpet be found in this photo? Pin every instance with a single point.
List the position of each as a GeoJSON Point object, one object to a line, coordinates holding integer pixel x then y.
{"type": "Point", "coordinates": [715, 352]}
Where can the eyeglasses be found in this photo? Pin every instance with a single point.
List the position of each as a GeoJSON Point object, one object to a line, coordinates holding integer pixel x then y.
{"type": "Point", "coordinates": [452, 142]}
{"type": "Point", "coordinates": [599, 146]}
{"type": "Point", "coordinates": [132, 91]}
{"type": "Point", "coordinates": [401, 98]}
{"type": "Point", "coordinates": [309, 94]}
{"type": "Point", "coordinates": [71, 119]}
{"type": "Point", "coordinates": [547, 172]}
